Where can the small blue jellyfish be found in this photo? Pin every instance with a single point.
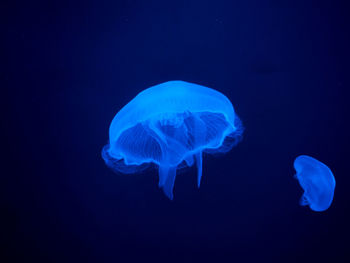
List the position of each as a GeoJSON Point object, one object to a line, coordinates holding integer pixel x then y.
{"type": "Point", "coordinates": [171, 125]}
{"type": "Point", "coordinates": [317, 180]}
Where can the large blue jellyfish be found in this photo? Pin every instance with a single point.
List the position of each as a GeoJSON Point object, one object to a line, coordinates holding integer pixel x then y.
{"type": "Point", "coordinates": [317, 180]}
{"type": "Point", "coordinates": [171, 125]}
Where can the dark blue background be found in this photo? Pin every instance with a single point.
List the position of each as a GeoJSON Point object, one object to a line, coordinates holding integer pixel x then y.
{"type": "Point", "coordinates": [69, 67]}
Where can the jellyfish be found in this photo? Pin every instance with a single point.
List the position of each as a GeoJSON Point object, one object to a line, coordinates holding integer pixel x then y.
{"type": "Point", "coordinates": [170, 126]}
{"type": "Point", "coordinates": [317, 181]}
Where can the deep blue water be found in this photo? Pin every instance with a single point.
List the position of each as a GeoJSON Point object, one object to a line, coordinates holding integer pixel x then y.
{"type": "Point", "coordinates": [69, 67]}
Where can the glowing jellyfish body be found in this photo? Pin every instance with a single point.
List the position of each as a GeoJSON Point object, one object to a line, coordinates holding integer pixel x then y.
{"type": "Point", "coordinates": [171, 125]}
{"type": "Point", "coordinates": [317, 180]}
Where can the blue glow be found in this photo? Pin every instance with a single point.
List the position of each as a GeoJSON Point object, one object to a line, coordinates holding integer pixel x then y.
{"type": "Point", "coordinates": [171, 125]}
{"type": "Point", "coordinates": [317, 180]}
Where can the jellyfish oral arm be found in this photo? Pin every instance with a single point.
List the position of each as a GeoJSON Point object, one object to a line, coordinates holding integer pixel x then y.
{"type": "Point", "coordinates": [167, 175]}
{"type": "Point", "coordinates": [199, 162]}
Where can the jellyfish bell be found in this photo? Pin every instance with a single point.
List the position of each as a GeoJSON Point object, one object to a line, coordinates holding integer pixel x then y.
{"type": "Point", "coordinates": [317, 181]}
{"type": "Point", "coordinates": [171, 125]}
